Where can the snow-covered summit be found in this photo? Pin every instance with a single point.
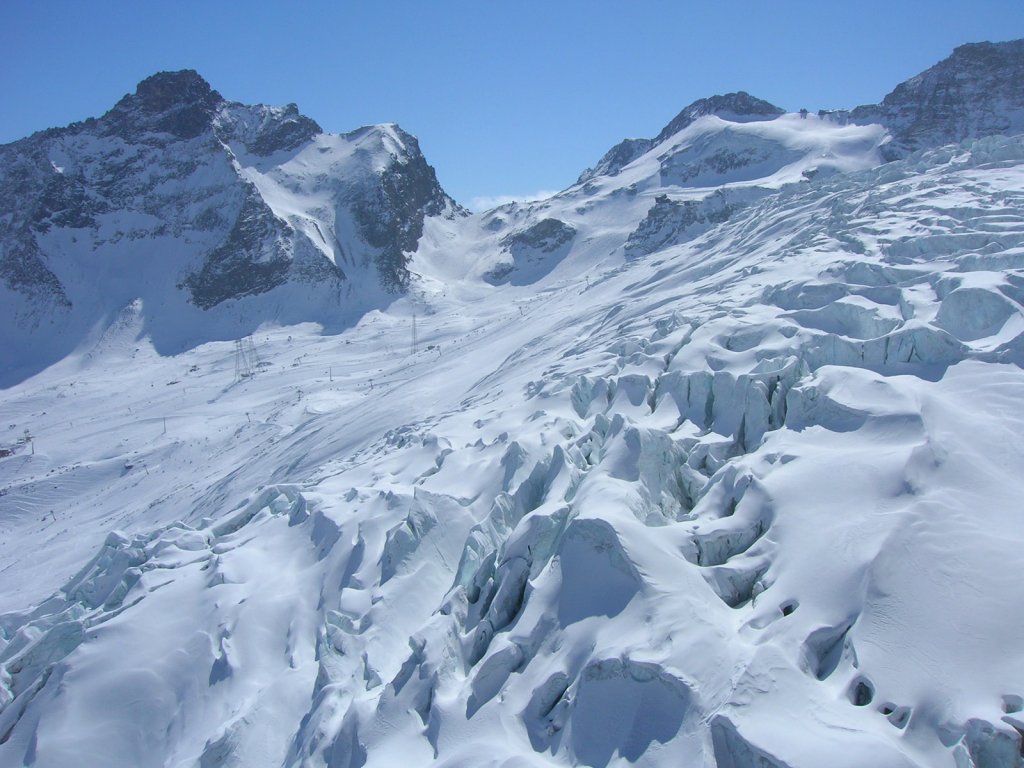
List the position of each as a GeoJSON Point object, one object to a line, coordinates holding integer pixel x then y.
{"type": "Point", "coordinates": [733, 107]}
{"type": "Point", "coordinates": [738, 107]}
{"type": "Point", "coordinates": [713, 153]}
{"type": "Point", "coordinates": [976, 91]}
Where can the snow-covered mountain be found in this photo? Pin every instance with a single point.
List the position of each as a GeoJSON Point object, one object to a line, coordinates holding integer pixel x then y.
{"type": "Point", "coordinates": [732, 107]}
{"type": "Point", "coordinates": [712, 459]}
{"type": "Point", "coordinates": [212, 216]}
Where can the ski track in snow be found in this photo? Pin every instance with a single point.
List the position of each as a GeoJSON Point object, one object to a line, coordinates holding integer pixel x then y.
{"type": "Point", "coordinates": [747, 497]}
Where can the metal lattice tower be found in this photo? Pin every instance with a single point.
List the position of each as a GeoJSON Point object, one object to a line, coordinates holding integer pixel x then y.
{"type": "Point", "coordinates": [250, 353]}
{"type": "Point", "coordinates": [246, 359]}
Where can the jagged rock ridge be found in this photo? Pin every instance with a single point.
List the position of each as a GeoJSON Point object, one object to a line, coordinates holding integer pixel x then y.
{"type": "Point", "coordinates": [977, 91]}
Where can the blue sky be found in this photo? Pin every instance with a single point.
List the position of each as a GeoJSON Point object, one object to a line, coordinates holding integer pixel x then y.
{"type": "Point", "coordinates": [506, 98]}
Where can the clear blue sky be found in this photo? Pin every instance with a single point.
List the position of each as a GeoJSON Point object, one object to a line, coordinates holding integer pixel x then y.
{"type": "Point", "coordinates": [507, 98]}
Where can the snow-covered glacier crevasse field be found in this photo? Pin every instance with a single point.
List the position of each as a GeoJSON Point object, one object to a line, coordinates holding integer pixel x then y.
{"type": "Point", "coordinates": [747, 497]}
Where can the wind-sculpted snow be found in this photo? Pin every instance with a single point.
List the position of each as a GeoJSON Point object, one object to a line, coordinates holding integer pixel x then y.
{"type": "Point", "coordinates": [699, 489]}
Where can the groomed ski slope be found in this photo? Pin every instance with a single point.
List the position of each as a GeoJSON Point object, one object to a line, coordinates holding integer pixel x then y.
{"type": "Point", "coordinates": [744, 493]}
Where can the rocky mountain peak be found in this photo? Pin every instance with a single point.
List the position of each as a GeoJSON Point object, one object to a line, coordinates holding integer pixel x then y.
{"type": "Point", "coordinates": [181, 103]}
{"type": "Point", "coordinates": [165, 90]}
{"type": "Point", "coordinates": [738, 107]}
{"type": "Point", "coordinates": [969, 68]}
{"type": "Point", "coordinates": [978, 90]}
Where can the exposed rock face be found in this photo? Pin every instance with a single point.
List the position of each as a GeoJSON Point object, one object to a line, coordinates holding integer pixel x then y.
{"type": "Point", "coordinates": [23, 269]}
{"type": "Point", "coordinates": [253, 258]}
{"type": "Point", "coordinates": [545, 236]}
{"type": "Point", "coordinates": [179, 103]}
{"type": "Point", "coordinates": [532, 252]}
{"type": "Point", "coordinates": [390, 215]}
{"type": "Point", "coordinates": [279, 130]}
{"type": "Point", "coordinates": [173, 197]}
{"type": "Point", "coordinates": [977, 91]}
{"type": "Point", "coordinates": [739, 107]}
{"type": "Point", "coordinates": [617, 158]}
{"type": "Point", "coordinates": [671, 221]}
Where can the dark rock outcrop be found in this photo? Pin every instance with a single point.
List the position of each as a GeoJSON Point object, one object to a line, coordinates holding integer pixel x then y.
{"type": "Point", "coordinates": [181, 104]}
{"type": "Point", "coordinates": [533, 252]}
{"type": "Point", "coordinates": [283, 130]}
{"type": "Point", "coordinates": [390, 215]}
{"type": "Point", "coordinates": [672, 221]}
{"type": "Point", "coordinates": [22, 268]}
{"type": "Point", "coordinates": [545, 236]}
{"type": "Point", "coordinates": [253, 259]}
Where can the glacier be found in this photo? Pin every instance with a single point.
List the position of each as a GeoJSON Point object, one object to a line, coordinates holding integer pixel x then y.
{"type": "Point", "coordinates": [710, 459]}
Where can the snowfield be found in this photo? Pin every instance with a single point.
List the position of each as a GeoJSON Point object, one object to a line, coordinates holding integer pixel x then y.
{"type": "Point", "coordinates": [713, 462]}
